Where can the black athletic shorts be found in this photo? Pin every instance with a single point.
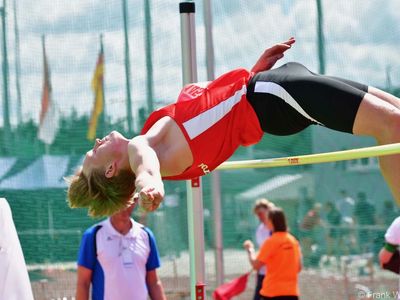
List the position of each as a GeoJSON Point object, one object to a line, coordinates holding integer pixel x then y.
{"type": "Point", "coordinates": [290, 98]}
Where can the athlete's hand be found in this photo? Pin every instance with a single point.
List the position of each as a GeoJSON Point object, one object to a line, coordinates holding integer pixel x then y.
{"type": "Point", "coordinates": [150, 198]}
{"type": "Point", "coordinates": [247, 244]}
{"type": "Point", "coordinates": [271, 55]}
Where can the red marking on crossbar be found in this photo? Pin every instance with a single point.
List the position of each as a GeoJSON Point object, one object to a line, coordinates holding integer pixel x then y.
{"type": "Point", "coordinates": [293, 160]}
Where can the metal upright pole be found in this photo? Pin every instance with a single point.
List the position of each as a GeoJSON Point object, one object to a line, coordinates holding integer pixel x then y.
{"type": "Point", "coordinates": [17, 66]}
{"type": "Point", "coordinates": [210, 61]}
{"type": "Point", "coordinates": [217, 215]}
{"type": "Point", "coordinates": [215, 176]}
{"type": "Point", "coordinates": [188, 42]}
{"type": "Point", "coordinates": [127, 69]}
{"type": "Point", "coordinates": [321, 41]}
{"type": "Point", "coordinates": [388, 78]}
{"type": "Point", "coordinates": [6, 93]}
{"type": "Point", "coordinates": [149, 56]}
{"type": "Point", "coordinates": [194, 193]}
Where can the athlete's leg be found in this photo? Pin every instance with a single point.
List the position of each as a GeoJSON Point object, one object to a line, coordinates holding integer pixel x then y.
{"type": "Point", "coordinates": [384, 96]}
{"type": "Point", "coordinates": [384, 106]}
{"type": "Point", "coordinates": [357, 85]}
{"type": "Point", "coordinates": [380, 119]}
{"type": "Point", "coordinates": [379, 116]}
{"type": "Point", "coordinates": [333, 102]}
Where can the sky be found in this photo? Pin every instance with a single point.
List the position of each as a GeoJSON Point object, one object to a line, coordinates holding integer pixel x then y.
{"type": "Point", "coordinates": [362, 43]}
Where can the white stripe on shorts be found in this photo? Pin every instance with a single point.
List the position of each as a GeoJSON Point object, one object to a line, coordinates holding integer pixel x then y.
{"type": "Point", "coordinates": [276, 90]}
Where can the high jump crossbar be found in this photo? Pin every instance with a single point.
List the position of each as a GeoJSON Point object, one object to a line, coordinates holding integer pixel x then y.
{"type": "Point", "coordinates": [382, 150]}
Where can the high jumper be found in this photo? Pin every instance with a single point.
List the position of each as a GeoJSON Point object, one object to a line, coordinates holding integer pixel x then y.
{"type": "Point", "coordinates": [211, 120]}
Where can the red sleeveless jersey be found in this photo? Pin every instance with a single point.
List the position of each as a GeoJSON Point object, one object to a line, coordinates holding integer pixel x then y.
{"type": "Point", "coordinates": [215, 118]}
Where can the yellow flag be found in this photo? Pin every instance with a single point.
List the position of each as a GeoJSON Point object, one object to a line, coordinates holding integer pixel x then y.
{"type": "Point", "coordinates": [97, 87]}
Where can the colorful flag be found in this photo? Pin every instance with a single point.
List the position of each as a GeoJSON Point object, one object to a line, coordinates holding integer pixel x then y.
{"type": "Point", "coordinates": [232, 288]}
{"type": "Point", "coordinates": [98, 90]}
{"type": "Point", "coordinates": [49, 116]}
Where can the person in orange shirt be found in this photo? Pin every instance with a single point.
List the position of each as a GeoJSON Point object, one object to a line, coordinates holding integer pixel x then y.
{"type": "Point", "coordinates": [281, 254]}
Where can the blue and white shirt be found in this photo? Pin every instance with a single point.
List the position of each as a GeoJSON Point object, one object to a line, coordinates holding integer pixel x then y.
{"type": "Point", "coordinates": [119, 263]}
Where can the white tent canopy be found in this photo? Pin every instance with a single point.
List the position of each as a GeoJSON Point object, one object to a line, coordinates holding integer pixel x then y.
{"type": "Point", "coordinates": [6, 164]}
{"type": "Point", "coordinates": [46, 172]}
{"type": "Point", "coordinates": [281, 187]}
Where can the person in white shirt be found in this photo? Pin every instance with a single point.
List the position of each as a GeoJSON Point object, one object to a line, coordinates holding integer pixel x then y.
{"type": "Point", "coordinates": [14, 279]}
{"type": "Point", "coordinates": [260, 209]}
{"type": "Point", "coordinates": [392, 242]}
{"type": "Point", "coordinates": [118, 257]}
{"type": "Point", "coordinates": [346, 207]}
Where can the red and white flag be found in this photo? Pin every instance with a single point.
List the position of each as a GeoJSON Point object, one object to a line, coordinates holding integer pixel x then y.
{"type": "Point", "coordinates": [49, 115]}
{"type": "Point", "coordinates": [232, 288]}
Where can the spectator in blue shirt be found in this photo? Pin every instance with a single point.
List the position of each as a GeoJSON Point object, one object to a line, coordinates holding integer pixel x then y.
{"type": "Point", "coordinates": [118, 257]}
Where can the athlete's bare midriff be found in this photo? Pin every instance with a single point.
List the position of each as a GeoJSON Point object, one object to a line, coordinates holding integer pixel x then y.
{"type": "Point", "coordinates": [171, 147]}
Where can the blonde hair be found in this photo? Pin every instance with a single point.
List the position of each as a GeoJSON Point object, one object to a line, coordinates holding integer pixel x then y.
{"type": "Point", "coordinates": [263, 203]}
{"type": "Point", "coordinates": [101, 195]}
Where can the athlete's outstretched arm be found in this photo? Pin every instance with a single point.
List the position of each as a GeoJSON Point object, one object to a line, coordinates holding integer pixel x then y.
{"type": "Point", "coordinates": [146, 166]}
{"type": "Point", "coordinates": [270, 56]}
